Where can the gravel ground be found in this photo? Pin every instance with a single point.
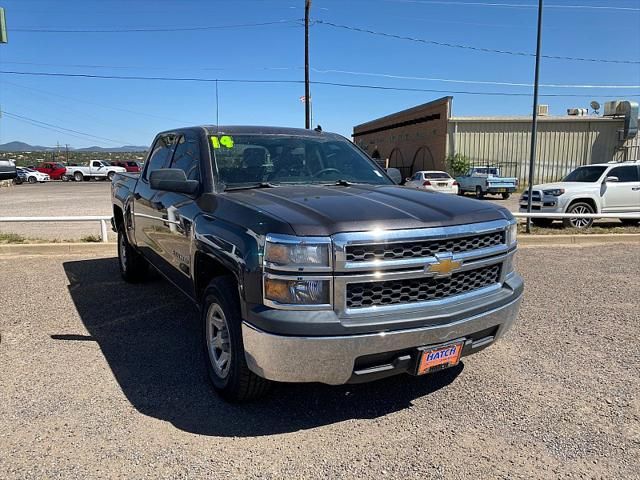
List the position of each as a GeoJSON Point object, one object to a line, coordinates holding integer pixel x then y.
{"type": "Point", "coordinates": [100, 379]}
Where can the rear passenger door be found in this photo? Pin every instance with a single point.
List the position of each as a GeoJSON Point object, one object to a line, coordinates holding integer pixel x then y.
{"type": "Point", "coordinates": [623, 195]}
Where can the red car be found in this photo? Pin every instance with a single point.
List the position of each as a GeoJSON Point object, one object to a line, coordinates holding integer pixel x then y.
{"type": "Point", "coordinates": [133, 167]}
{"type": "Point", "coordinates": [55, 170]}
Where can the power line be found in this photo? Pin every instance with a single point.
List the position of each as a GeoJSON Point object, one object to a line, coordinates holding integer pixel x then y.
{"type": "Point", "coordinates": [155, 29]}
{"type": "Point", "coordinates": [66, 130]}
{"type": "Point", "coordinates": [297, 82]}
{"type": "Point", "coordinates": [519, 5]}
{"type": "Point", "coordinates": [473, 82]}
{"type": "Point", "coordinates": [469, 47]}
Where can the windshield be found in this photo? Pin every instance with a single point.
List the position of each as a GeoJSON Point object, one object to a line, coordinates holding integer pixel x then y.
{"type": "Point", "coordinates": [585, 174]}
{"type": "Point", "coordinates": [244, 160]}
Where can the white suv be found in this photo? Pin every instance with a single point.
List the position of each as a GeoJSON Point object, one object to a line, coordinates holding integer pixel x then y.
{"type": "Point", "coordinates": [597, 188]}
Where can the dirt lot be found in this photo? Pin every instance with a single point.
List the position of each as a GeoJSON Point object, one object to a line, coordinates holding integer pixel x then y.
{"type": "Point", "coordinates": [103, 380]}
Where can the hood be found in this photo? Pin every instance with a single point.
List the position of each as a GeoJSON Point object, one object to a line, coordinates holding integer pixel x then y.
{"type": "Point", "coordinates": [325, 210]}
{"type": "Point", "coordinates": [566, 186]}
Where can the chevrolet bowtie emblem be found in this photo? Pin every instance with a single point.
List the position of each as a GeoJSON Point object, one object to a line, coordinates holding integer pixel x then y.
{"type": "Point", "coordinates": [443, 267]}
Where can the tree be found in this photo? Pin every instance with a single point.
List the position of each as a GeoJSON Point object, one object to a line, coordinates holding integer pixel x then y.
{"type": "Point", "coordinates": [458, 164]}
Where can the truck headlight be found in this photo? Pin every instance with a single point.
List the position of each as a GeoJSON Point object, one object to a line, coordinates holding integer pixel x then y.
{"type": "Point", "coordinates": [297, 291]}
{"type": "Point", "coordinates": [556, 192]}
{"type": "Point", "coordinates": [286, 252]}
{"type": "Point", "coordinates": [512, 234]}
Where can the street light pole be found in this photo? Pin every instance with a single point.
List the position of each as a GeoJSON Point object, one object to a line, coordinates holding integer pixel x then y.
{"type": "Point", "coordinates": [534, 123]}
{"type": "Point", "coordinates": [307, 98]}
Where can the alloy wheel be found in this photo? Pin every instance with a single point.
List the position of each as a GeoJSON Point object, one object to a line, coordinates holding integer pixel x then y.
{"type": "Point", "coordinates": [218, 344]}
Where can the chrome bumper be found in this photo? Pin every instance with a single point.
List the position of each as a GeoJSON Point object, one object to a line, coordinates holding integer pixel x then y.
{"type": "Point", "coordinates": [331, 359]}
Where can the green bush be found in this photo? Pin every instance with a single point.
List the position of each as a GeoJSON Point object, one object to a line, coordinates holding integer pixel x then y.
{"type": "Point", "coordinates": [458, 164]}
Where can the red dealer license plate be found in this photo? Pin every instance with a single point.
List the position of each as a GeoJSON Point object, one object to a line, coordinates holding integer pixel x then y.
{"type": "Point", "coordinates": [439, 358]}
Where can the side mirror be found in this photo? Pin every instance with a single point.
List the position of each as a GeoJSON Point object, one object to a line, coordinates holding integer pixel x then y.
{"type": "Point", "coordinates": [611, 179]}
{"type": "Point", "coordinates": [395, 175]}
{"type": "Point", "coordinates": [172, 180]}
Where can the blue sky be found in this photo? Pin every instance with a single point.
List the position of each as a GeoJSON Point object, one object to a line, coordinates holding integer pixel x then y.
{"type": "Point", "coordinates": [131, 112]}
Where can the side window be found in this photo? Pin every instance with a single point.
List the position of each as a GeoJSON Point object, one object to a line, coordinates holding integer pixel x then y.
{"type": "Point", "coordinates": [417, 176]}
{"type": "Point", "coordinates": [96, 164]}
{"type": "Point", "coordinates": [625, 174]}
{"type": "Point", "coordinates": [160, 154]}
{"type": "Point", "coordinates": [187, 157]}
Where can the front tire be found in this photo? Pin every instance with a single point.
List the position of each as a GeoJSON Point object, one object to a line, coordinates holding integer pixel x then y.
{"type": "Point", "coordinates": [133, 266]}
{"type": "Point", "coordinates": [110, 176]}
{"type": "Point", "coordinates": [32, 180]}
{"type": "Point", "coordinates": [223, 346]}
{"type": "Point", "coordinates": [580, 223]}
{"type": "Point", "coordinates": [479, 192]}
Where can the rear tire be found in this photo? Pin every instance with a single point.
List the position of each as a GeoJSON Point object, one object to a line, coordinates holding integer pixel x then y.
{"type": "Point", "coordinates": [479, 192]}
{"type": "Point", "coordinates": [133, 266]}
{"type": "Point", "coordinates": [64, 178]}
{"type": "Point", "coordinates": [110, 176]}
{"type": "Point", "coordinates": [506, 195]}
{"type": "Point", "coordinates": [580, 208]}
{"type": "Point", "coordinates": [223, 346]}
{"type": "Point", "coordinates": [78, 177]}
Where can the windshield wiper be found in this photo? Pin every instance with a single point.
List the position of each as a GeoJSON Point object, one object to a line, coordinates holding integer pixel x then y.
{"type": "Point", "coordinates": [252, 186]}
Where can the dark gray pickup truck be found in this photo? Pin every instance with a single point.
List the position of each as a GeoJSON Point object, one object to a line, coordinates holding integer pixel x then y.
{"type": "Point", "coordinates": [308, 263]}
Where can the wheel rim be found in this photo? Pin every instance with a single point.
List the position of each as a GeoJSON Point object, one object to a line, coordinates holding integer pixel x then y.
{"type": "Point", "coordinates": [218, 345]}
{"type": "Point", "coordinates": [122, 250]}
{"type": "Point", "coordinates": [580, 222]}
{"type": "Point", "coordinates": [78, 177]}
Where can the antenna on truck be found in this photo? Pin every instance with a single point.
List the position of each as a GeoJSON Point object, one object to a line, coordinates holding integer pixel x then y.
{"type": "Point", "coordinates": [217, 110]}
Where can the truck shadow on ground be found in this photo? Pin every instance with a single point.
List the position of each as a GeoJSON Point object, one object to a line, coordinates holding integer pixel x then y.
{"type": "Point", "coordinates": [150, 336]}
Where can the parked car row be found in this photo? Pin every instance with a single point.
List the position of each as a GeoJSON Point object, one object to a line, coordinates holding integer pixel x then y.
{"type": "Point", "coordinates": [96, 170]}
{"type": "Point", "coordinates": [477, 180]}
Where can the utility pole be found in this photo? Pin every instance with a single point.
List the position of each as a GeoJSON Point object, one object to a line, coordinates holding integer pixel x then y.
{"type": "Point", "coordinates": [307, 97]}
{"type": "Point", "coordinates": [3, 34]}
{"type": "Point", "coordinates": [66, 148]}
{"type": "Point", "coordinates": [534, 123]}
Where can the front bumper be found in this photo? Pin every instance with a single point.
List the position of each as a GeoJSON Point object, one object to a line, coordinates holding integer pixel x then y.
{"type": "Point", "coordinates": [332, 359]}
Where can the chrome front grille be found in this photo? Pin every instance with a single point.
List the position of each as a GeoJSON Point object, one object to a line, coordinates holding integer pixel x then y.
{"type": "Point", "coordinates": [410, 290]}
{"type": "Point", "coordinates": [405, 270]}
{"type": "Point", "coordinates": [421, 249]}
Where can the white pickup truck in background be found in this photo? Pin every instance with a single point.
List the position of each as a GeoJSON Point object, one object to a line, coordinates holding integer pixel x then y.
{"type": "Point", "coordinates": [483, 180]}
{"type": "Point", "coordinates": [98, 169]}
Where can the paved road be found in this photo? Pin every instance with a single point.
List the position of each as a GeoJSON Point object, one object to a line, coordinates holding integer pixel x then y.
{"type": "Point", "coordinates": [103, 380]}
{"type": "Point", "coordinates": [71, 198]}
{"type": "Point", "coordinates": [54, 199]}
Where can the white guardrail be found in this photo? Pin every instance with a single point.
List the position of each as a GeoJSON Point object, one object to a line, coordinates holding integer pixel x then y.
{"type": "Point", "coordinates": [103, 219]}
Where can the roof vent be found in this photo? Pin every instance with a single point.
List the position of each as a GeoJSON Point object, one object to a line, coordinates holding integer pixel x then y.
{"type": "Point", "coordinates": [611, 108]}
{"type": "Point", "coordinates": [577, 112]}
{"type": "Point", "coordinates": [543, 110]}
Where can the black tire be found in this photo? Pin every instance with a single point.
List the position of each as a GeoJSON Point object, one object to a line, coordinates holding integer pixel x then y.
{"type": "Point", "coordinates": [630, 222]}
{"type": "Point", "coordinates": [479, 192]}
{"type": "Point", "coordinates": [32, 180]}
{"type": "Point", "coordinates": [64, 178]}
{"type": "Point", "coordinates": [506, 195]}
{"type": "Point", "coordinates": [233, 381]}
{"type": "Point", "coordinates": [133, 266]}
{"type": "Point", "coordinates": [542, 222]}
{"type": "Point", "coordinates": [78, 176]}
{"type": "Point", "coordinates": [578, 207]}
{"type": "Point", "coordinates": [110, 176]}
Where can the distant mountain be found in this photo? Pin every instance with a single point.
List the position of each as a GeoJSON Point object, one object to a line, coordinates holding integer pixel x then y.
{"type": "Point", "coordinates": [21, 147]}
{"type": "Point", "coordinates": [125, 148]}
{"type": "Point", "coordinates": [25, 147]}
